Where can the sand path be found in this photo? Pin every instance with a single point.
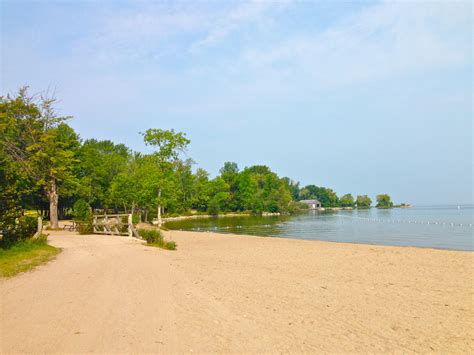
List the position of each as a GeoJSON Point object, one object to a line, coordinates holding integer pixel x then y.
{"type": "Point", "coordinates": [239, 294]}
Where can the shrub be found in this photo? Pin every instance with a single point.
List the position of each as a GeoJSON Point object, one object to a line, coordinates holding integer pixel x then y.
{"type": "Point", "coordinates": [155, 238]}
{"type": "Point", "coordinates": [85, 227]}
{"type": "Point", "coordinates": [297, 207]}
{"type": "Point", "coordinates": [214, 207]}
{"type": "Point", "coordinates": [82, 213]}
{"type": "Point", "coordinates": [170, 245]}
{"type": "Point", "coordinates": [81, 210]}
{"type": "Point", "coordinates": [151, 236]}
{"type": "Point", "coordinates": [24, 229]}
{"type": "Point", "coordinates": [136, 218]}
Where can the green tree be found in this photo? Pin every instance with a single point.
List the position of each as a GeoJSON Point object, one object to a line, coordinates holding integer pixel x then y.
{"type": "Point", "coordinates": [100, 163]}
{"type": "Point", "coordinates": [219, 190]}
{"type": "Point", "coordinates": [230, 172]}
{"type": "Point", "coordinates": [185, 181]}
{"type": "Point", "coordinates": [346, 201]}
{"type": "Point", "coordinates": [38, 142]}
{"type": "Point", "coordinates": [11, 191]}
{"type": "Point", "coordinates": [363, 201]}
{"type": "Point", "coordinates": [261, 190]}
{"type": "Point", "coordinates": [384, 201]}
{"type": "Point", "coordinates": [293, 187]}
{"type": "Point", "coordinates": [201, 190]}
{"type": "Point", "coordinates": [326, 196]}
{"type": "Point", "coordinates": [169, 145]}
{"type": "Point", "coordinates": [82, 210]}
{"type": "Point", "coordinates": [123, 191]}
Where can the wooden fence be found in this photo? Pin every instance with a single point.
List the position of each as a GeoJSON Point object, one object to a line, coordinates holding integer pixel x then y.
{"type": "Point", "coordinates": [114, 224]}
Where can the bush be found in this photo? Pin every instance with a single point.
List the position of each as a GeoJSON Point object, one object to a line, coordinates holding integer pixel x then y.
{"type": "Point", "coordinates": [81, 210]}
{"type": "Point", "coordinates": [214, 207]}
{"type": "Point", "coordinates": [297, 207]}
{"type": "Point", "coordinates": [155, 238]}
{"type": "Point", "coordinates": [151, 236]}
{"type": "Point", "coordinates": [85, 227]}
{"type": "Point", "coordinates": [136, 218]}
{"type": "Point", "coordinates": [170, 245]}
{"type": "Point", "coordinates": [82, 213]}
{"type": "Point", "coordinates": [24, 229]}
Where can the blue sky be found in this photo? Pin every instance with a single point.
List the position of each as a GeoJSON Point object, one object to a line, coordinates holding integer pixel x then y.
{"type": "Point", "coordinates": [363, 97]}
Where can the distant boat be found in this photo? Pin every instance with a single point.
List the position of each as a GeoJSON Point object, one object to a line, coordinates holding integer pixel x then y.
{"type": "Point", "coordinates": [459, 207]}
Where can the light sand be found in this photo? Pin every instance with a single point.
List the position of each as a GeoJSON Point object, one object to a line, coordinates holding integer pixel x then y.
{"type": "Point", "coordinates": [227, 293]}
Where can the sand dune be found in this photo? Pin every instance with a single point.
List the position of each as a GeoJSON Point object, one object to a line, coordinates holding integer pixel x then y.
{"type": "Point", "coordinates": [228, 293]}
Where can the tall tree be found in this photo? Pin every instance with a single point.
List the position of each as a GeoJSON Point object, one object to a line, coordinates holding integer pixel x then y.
{"type": "Point", "coordinates": [40, 144]}
{"type": "Point", "coordinates": [201, 190]}
{"type": "Point", "coordinates": [326, 196]}
{"type": "Point", "coordinates": [169, 145]}
{"type": "Point", "coordinates": [100, 162]}
{"type": "Point", "coordinates": [346, 201]}
{"type": "Point", "coordinates": [384, 201]}
{"type": "Point", "coordinates": [363, 201]}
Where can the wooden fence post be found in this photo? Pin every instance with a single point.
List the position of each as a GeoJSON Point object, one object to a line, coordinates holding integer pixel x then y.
{"type": "Point", "coordinates": [130, 225]}
{"type": "Point", "coordinates": [40, 228]}
{"type": "Point", "coordinates": [94, 225]}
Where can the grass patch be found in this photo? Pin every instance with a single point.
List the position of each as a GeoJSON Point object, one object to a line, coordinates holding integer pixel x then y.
{"type": "Point", "coordinates": [25, 255]}
{"type": "Point", "coordinates": [168, 245]}
{"type": "Point", "coordinates": [154, 238]}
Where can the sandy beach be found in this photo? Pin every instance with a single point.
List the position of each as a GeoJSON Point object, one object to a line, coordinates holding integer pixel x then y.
{"type": "Point", "coordinates": [229, 293]}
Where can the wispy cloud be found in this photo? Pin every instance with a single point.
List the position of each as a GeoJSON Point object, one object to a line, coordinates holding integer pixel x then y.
{"type": "Point", "coordinates": [248, 12]}
{"type": "Point", "coordinates": [382, 41]}
{"type": "Point", "coordinates": [272, 71]}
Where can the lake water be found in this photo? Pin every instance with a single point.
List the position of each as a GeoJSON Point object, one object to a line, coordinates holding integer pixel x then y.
{"type": "Point", "coordinates": [445, 227]}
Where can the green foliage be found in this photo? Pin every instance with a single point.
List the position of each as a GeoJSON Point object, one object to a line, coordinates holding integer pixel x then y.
{"type": "Point", "coordinates": [151, 236]}
{"type": "Point", "coordinates": [168, 142]}
{"type": "Point", "coordinates": [326, 196]}
{"type": "Point", "coordinates": [297, 207]}
{"type": "Point", "coordinates": [135, 218]}
{"type": "Point", "coordinates": [154, 237]}
{"type": "Point", "coordinates": [293, 187]}
{"type": "Point", "coordinates": [100, 163]}
{"type": "Point", "coordinates": [25, 255]}
{"type": "Point", "coordinates": [11, 191]}
{"type": "Point", "coordinates": [42, 160]}
{"type": "Point", "coordinates": [82, 210]}
{"type": "Point", "coordinates": [363, 201]}
{"type": "Point", "coordinates": [24, 228]}
{"type": "Point", "coordinates": [38, 146]}
{"type": "Point", "coordinates": [384, 201]}
{"type": "Point", "coordinates": [85, 227]}
{"type": "Point", "coordinates": [82, 213]}
{"type": "Point", "coordinates": [214, 207]}
{"type": "Point", "coordinates": [347, 201]}
{"type": "Point", "coordinates": [261, 190]}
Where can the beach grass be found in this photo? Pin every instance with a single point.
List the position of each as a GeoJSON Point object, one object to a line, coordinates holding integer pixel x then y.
{"type": "Point", "coordinates": [155, 238]}
{"type": "Point", "coordinates": [24, 256]}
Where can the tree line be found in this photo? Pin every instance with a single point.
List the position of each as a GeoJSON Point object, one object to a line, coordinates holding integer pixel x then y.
{"type": "Point", "coordinates": [47, 167]}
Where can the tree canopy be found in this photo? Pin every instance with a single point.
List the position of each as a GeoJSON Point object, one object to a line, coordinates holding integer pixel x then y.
{"type": "Point", "coordinates": [45, 165]}
{"type": "Point", "coordinates": [384, 201]}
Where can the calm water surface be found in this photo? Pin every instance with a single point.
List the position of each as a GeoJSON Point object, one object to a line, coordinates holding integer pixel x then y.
{"type": "Point", "coordinates": [446, 227]}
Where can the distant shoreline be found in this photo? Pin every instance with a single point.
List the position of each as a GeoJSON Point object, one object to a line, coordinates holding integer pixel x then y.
{"type": "Point", "coordinates": [270, 214]}
{"type": "Point", "coordinates": [197, 216]}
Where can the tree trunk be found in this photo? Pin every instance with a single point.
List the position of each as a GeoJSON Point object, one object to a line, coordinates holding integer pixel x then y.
{"type": "Point", "coordinates": [158, 217]}
{"type": "Point", "coordinates": [53, 205]}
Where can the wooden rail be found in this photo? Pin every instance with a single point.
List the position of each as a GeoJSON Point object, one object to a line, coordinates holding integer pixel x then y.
{"type": "Point", "coordinates": [113, 224]}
